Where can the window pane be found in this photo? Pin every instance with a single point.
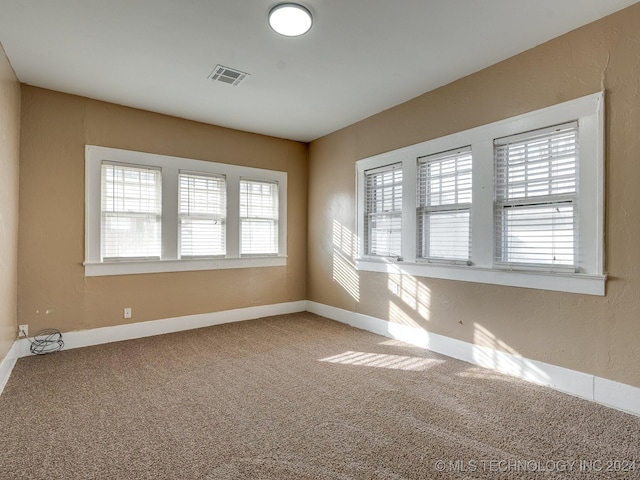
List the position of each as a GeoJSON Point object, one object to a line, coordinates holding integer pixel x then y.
{"type": "Point", "coordinates": [258, 218]}
{"type": "Point", "coordinates": [259, 236]}
{"type": "Point", "coordinates": [131, 212]}
{"type": "Point", "coordinates": [386, 232]}
{"type": "Point", "coordinates": [447, 181]}
{"type": "Point", "coordinates": [202, 211]}
{"type": "Point", "coordinates": [541, 165]}
{"type": "Point", "coordinates": [444, 205]}
{"type": "Point", "coordinates": [383, 211]}
{"type": "Point", "coordinates": [446, 235]}
{"type": "Point", "coordinates": [536, 178]}
{"type": "Point", "coordinates": [539, 234]}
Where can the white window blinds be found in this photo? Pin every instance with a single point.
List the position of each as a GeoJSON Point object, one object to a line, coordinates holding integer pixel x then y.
{"type": "Point", "coordinates": [131, 212]}
{"type": "Point", "coordinates": [536, 198]}
{"type": "Point", "coordinates": [383, 211]}
{"type": "Point", "coordinates": [258, 217]}
{"type": "Point", "coordinates": [444, 205]}
{"type": "Point", "coordinates": [202, 212]}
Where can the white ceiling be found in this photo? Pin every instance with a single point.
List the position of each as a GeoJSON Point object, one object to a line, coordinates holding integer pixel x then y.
{"type": "Point", "coordinates": [360, 57]}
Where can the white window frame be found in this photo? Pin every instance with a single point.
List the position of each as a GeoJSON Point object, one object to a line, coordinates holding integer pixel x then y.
{"type": "Point", "coordinates": [505, 203]}
{"type": "Point", "coordinates": [170, 260]}
{"type": "Point", "coordinates": [426, 210]}
{"type": "Point", "coordinates": [370, 213]}
{"type": "Point", "coordinates": [186, 217]}
{"type": "Point", "coordinates": [589, 278]}
{"type": "Point", "coordinates": [120, 200]}
{"type": "Point", "coordinates": [250, 219]}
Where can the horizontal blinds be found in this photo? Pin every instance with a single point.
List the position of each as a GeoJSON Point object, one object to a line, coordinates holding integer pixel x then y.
{"type": "Point", "coordinates": [536, 197]}
{"type": "Point", "coordinates": [258, 217]}
{"type": "Point", "coordinates": [383, 211]}
{"type": "Point", "coordinates": [444, 205]}
{"type": "Point", "coordinates": [202, 214]}
{"type": "Point", "coordinates": [131, 212]}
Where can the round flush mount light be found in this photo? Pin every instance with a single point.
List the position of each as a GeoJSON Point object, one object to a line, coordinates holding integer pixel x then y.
{"type": "Point", "coordinates": [290, 19]}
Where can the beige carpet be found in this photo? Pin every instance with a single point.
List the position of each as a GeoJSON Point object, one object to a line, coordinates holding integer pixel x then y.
{"type": "Point", "coordinates": [295, 397]}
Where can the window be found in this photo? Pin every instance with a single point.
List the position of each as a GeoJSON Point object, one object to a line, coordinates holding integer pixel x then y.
{"type": "Point", "coordinates": [131, 212]}
{"type": "Point", "coordinates": [258, 218]}
{"type": "Point", "coordinates": [147, 213]}
{"type": "Point", "coordinates": [202, 211]}
{"type": "Point", "coordinates": [444, 206]}
{"type": "Point", "coordinates": [536, 198]}
{"type": "Point", "coordinates": [383, 215]}
{"type": "Point", "coordinates": [522, 205]}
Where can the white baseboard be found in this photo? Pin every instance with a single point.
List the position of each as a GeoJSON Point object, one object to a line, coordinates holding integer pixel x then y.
{"type": "Point", "coordinates": [7, 364]}
{"type": "Point", "coordinates": [601, 390]}
{"type": "Point", "coordinates": [97, 336]}
{"type": "Point", "coordinates": [607, 392]}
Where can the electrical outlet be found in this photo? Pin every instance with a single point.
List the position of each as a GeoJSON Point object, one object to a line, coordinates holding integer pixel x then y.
{"type": "Point", "coordinates": [23, 330]}
{"type": "Point", "coordinates": [127, 313]}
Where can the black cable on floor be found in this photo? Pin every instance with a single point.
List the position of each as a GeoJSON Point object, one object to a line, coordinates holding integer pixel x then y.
{"type": "Point", "coordinates": [46, 341]}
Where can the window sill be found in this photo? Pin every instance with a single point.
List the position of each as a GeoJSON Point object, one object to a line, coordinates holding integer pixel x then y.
{"type": "Point", "coordinates": [100, 269]}
{"type": "Point", "coordinates": [559, 282]}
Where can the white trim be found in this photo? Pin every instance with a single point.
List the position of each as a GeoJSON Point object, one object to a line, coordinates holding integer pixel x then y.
{"type": "Point", "coordinates": [590, 278]}
{"type": "Point", "coordinates": [600, 390]}
{"type": "Point", "coordinates": [192, 264]}
{"type": "Point", "coordinates": [560, 282]}
{"type": "Point", "coordinates": [98, 336]}
{"type": "Point", "coordinates": [7, 364]}
{"type": "Point", "coordinates": [618, 395]}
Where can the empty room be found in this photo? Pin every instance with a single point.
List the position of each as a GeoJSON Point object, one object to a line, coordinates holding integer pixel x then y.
{"type": "Point", "coordinates": [320, 239]}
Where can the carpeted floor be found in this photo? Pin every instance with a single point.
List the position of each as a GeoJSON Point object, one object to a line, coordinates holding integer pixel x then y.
{"type": "Point", "coordinates": [295, 397]}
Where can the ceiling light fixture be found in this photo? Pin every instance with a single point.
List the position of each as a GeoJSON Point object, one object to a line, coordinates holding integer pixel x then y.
{"type": "Point", "coordinates": [290, 19]}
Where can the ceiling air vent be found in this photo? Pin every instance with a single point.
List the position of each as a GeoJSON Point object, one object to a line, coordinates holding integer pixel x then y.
{"type": "Point", "coordinates": [227, 75]}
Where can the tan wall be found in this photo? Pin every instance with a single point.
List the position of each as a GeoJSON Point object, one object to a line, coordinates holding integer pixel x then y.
{"type": "Point", "coordinates": [53, 289]}
{"type": "Point", "coordinates": [9, 144]}
{"type": "Point", "coordinates": [597, 335]}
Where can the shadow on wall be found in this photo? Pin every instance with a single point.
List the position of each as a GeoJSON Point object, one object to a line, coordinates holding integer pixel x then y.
{"type": "Point", "coordinates": [411, 309]}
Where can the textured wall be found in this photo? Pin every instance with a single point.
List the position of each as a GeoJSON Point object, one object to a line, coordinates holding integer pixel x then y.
{"type": "Point", "coordinates": [597, 335]}
{"type": "Point", "coordinates": [53, 289]}
{"type": "Point", "coordinates": [9, 143]}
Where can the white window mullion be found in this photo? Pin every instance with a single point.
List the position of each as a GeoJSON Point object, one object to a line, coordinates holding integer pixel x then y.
{"type": "Point", "coordinates": [482, 231]}
{"type": "Point", "coordinates": [233, 215]}
{"type": "Point", "coordinates": [409, 186]}
{"type": "Point", "coordinates": [169, 213]}
{"type": "Point", "coordinates": [282, 216]}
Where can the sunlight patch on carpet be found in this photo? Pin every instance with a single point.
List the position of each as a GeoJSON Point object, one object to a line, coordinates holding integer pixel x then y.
{"type": "Point", "coordinates": [381, 360]}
